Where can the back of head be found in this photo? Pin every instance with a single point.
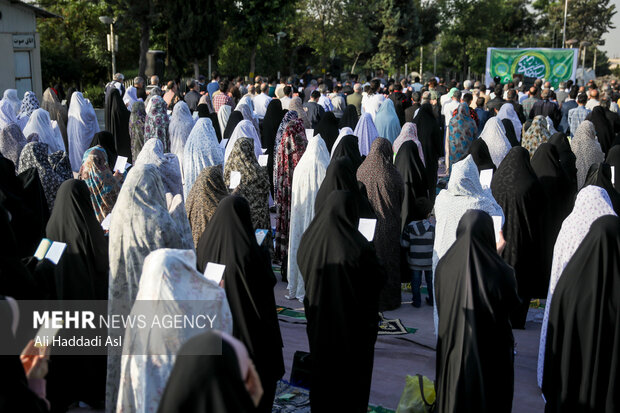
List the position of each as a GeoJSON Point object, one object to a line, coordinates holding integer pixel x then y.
{"type": "Point", "coordinates": [416, 97]}
{"type": "Point", "coordinates": [533, 91]}
{"type": "Point", "coordinates": [170, 85]}
{"type": "Point", "coordinates": [545, 94]}
{"type": "Point", "coordinates": [511, 94]}
{"type": "Point", "coordinates": [594, 94]}
{"type": "Point", "coordinates": [190, 84]}
{"type": "Point", "coordinates": [264, 88]}
{"type": "Point", "coordinates": [456, 95]}
{"type": "Point", "coordinates": [467, 98]}
{"type": "Point", "coordinates": [422, 208]}
{"type": "Point", "coordinates": [375, 85]}
{"type": "Point", "coordinates": [498, 90]}
{"type": "Point", "coordinates": [480, 102]}
{"type": "Point", "coordinates": [357, 88]}
{"type": "Point", "coordinates": [223, 86]}
{"type": "Point", "coordinates": [138, 81]}
{"type": "Point", "coordinates": [582, 98]}
{"type": "Point", "coordinates": [467, 84]}
{"type": "Point", "coordinates": [605, 102]}
{"type": "Point", "coordinates": [416, 79]}
{"type": "Point", "coordinates": [574, 90]}
{"type": "Point", "coordinates": [215, 75]}
{"type": "Point", "coordinates": [315, 94]}
{"type": "Point", "coordinates": [119, 77]}
{"type": "Point", "coordinates": [155, 80]}
{"type": "Point", "coordinates": [323, 88]}
{"type": "Point", "coordinates": [287, 90]}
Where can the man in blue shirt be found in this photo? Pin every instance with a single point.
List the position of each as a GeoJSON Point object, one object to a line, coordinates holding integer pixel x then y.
{"type": "Point", "coordinates": [579, 114]}
{"type": "Point", "coordinates": [568, 104]}
{"type": "Point", "coordinates": [214, 86]}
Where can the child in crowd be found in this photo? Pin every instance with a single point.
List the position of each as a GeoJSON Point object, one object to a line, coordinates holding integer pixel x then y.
{"type": "Point", "coordinates": [418, 238]}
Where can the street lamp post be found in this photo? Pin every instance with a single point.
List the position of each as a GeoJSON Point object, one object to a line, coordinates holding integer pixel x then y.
{"type": "Point", "coordinates": [279, 35]}
{"type": "Point", "coordinates": [112, 40]}
{"type": "Point", "coordinates": [584, 44]}
{"type": "Point", "coordinates": [564, 29]}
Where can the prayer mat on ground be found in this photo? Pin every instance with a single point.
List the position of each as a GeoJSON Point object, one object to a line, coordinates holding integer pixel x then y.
{"type": "Point", "coordinates": [386, 327]}
{"type": "Point", "coordinates": [393, 327]}
{"type": "Point", "coordinates": [292, 399]}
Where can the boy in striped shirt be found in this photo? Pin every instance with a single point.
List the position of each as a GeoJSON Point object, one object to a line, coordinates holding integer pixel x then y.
{"type": "Point", "coordinates": [418, 237]}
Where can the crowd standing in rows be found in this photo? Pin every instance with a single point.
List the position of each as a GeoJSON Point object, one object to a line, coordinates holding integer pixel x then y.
{"type": "Point", "coordinates": [439, 166]}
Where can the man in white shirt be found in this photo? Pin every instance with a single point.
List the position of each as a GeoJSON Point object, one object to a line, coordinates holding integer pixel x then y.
{"type": "Point", "coordinates": [374, 99]}
{"type": "Point", "coordinates": [261, 101]}
{"type": "Point", "coordinates": [449, 106]}
{"type": "Point", "coordinates": [286, 100]}
{"type": "Point", "coordinates": [593, 101]}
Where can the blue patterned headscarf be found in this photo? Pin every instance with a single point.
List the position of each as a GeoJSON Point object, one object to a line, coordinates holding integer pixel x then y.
{"type": "Point", "coordinates": [461, 133]}
{"type": "Point", "coordinates": [103, 187]}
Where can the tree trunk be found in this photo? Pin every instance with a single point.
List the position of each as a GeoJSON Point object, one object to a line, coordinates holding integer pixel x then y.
{"type": "Point", "coordinates": [145, 32]}
{"type": "Point", "coordinates": [354, 63]}
{"type": "Point", "coordinates": [293, 58]}
{"type": "Point", "coordinates": [196, 70]}
{"type": "Point", "coordinates": [253, 63]}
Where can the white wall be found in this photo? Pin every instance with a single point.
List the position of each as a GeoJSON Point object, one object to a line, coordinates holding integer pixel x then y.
{"type": "Point", "coordinates": [15, 20]}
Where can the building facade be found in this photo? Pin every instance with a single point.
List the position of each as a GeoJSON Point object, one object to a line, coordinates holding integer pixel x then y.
{"type": "Point", "coordinates": [20, 55]}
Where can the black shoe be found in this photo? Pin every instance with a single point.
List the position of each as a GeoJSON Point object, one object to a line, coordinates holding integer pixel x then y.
{"type": "Point", "coordinates": [416, 305]}
{"type": "Point", "coordinates": [429, 301]}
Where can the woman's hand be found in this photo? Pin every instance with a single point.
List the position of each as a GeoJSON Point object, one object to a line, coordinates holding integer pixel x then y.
{"type": "Point", "coordinates": [253, 384]}
{"type": "Point", "coordinates": [501, 244]}
{"type": "Point", "coordinates": [34, 361]}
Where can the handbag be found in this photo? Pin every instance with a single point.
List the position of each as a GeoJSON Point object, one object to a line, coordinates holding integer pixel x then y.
{"type": "Point", "coordinates": [300, 373]}
{"type": "Point", "coordinates": [418, 395]}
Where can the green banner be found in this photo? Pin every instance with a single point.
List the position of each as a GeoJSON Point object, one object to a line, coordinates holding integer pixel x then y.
{"type": "Point", "coordinates": [553, 65]}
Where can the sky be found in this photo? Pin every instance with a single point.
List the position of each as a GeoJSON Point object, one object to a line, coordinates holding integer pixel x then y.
{"type": "Point", "coordinates": [612, 37]}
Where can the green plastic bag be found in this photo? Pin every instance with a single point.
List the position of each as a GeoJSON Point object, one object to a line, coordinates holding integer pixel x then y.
{"type": "Point", "coordinates": [418, 396]}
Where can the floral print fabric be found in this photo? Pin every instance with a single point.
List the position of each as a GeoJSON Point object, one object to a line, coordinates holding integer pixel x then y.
{"type": "Point", "coordinates": [537, 134]}
{"type": "Point", "coordinates": [157, 121]}
{"type": "Point", "coordinates": [290, 151]}
{"type": "Point", "coordinates": [102, 185]}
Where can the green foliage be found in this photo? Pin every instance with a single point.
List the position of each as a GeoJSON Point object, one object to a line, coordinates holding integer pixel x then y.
{"type": "Point", "coordinates": [401, 33]}
{"type": "Point", "coordinates": [330, 35]}
{"type": "Point", "coordinates": [96, 95]}
{"type": "Point", "coordinates": [68, 46]}
{"type": "Point", "coordinates": [586, 19]}
{"type": "Point", "coordinates": [474, 25]}
{"type": "Point", "coordinates": [333, 27]}
{"type": "Point", "coordinates": [195, 34]}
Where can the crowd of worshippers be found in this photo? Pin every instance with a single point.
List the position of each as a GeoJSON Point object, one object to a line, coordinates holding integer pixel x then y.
{"type": "Point", "coordinates": [526, 209]}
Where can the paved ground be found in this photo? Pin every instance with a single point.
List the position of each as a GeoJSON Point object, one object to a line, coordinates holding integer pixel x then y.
{"type": "Point", "coordinates": [397, 356]}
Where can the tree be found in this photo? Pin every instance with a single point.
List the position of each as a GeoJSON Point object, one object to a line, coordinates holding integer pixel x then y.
{"type": "Point", "coordinates": [333, 27]}
{"type": "Point", "coordinates": [73, 48]}
{"type": "Point", "coordinates": [401, 33]}
{"type": "Point", "coordinates": [471, 26]}
{"type": "Point", "coordinates": [194, 28]}
{"type": "Point", "coordinates": [428, 16]}
{"type": "Point", "coordinates": [252, 19]}
{"type": "Point", "coordinates": [586, 20]}
{"type": "Point", "coordinates": [143, 13]}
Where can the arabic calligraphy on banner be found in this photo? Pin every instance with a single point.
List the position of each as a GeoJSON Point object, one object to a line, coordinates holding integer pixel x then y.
{"type": "Point", "coordinates": [554, 65]}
